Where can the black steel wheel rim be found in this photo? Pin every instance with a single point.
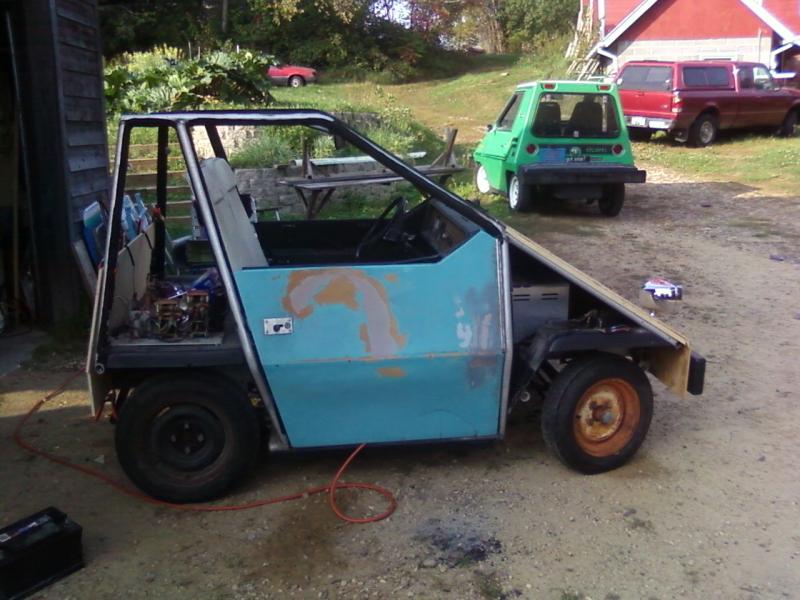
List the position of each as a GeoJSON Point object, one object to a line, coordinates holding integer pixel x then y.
{"type": "Point", "coordinates": [186, 437]}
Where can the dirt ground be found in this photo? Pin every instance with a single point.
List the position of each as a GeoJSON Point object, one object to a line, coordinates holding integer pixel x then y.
{"type": "Point", "coordinates": [707, 509]}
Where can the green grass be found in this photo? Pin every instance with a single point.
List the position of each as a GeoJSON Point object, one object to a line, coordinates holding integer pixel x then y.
{"type": "Point", "coordinates": [757, 159]}
{"type": "Point", "coordinates": [467, 101]}
{"type": "Point", "coordinates": [415, 114]}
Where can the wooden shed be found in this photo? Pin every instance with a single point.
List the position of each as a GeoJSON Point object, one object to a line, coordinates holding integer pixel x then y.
{"type": "Point", "coordinates": [53, 151]}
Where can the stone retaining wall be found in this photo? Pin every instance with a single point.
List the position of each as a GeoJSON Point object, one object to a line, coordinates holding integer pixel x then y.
{"type": "Point", "coordinates": [264, 186]}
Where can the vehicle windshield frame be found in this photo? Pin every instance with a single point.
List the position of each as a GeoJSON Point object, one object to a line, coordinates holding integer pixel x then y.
{"type": "Point", "coordinates": [331, 125]}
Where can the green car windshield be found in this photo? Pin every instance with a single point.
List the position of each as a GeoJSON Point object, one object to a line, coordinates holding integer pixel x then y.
{"type": "Point", "coordinates": [571, 115]}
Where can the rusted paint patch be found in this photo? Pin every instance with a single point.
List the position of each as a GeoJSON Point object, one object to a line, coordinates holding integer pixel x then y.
{"type": "Point", "coordinates": [391, 277]}
{"type": "Point", "coordinates": [310, 288]}
{"type": "Point", "coordinates": [339, 291]}
{"type": "Point", "coordinates": [391, 372]}
{"type": "Point", "coordinates": [364, 335]}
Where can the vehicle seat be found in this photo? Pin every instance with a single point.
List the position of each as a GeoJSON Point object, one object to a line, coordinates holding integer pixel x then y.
{"type": "Point", "coordinates": [548, 119]}
{"type": "Point", "coordinates": [587, 118]}
{"type": "Point", "coordinates": [237, 232]}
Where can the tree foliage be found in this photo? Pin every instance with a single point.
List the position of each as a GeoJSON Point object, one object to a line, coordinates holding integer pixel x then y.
{"type": "Point", "coordinates": [390, 36]}
{"type": "Point", "coordinates": [164, 79]}
{"type": "Point", "coordinates": [495, 25]}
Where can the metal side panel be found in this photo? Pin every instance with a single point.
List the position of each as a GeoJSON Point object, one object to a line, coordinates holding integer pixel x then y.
{"type": "Point", "coordinates": [99, 384]}
{"type": "Point", "coordinates": [504, 288]}
{"type": "Point", "coordinates": [278, 438]}
{"type": "Point", "coordinates": [670, 365]}
{"type": "Point", "coordinates": [385, 352]}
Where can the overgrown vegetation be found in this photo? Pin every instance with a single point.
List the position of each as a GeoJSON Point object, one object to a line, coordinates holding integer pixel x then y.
{"type": "Point", "coordinates": [384, 41]}
{"type": "Point", "coordinates": [393, 128]}
{"type": "Point", "coordinates": [165, 79]}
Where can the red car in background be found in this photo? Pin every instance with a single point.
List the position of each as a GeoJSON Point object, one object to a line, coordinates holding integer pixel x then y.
{"type": "Point", "coordinates": [291, 75]}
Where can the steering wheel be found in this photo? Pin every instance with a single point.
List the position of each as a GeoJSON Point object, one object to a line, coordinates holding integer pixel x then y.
{"type": "Point", "coordinates": [381, 225]}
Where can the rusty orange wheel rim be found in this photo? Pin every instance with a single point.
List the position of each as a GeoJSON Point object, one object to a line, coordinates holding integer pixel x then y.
{"type": "Point", "coordinates": [606, 417]}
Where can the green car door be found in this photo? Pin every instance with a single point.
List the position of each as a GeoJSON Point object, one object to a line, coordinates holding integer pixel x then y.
{"type": "Point", "coordinates": [499, 143]}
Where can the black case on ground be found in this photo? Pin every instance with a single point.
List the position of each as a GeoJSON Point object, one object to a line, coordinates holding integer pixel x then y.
{"type": "Point", "coordinates": [36, 551]}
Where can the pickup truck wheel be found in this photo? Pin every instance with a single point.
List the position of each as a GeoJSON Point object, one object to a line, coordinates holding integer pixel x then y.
{"type": "Point", "coordinates": [187, 438]}
{"type": "Point", "coordinates": [296, 81]}
{"type": "Point", "coordinates": [519, 195]}
{"type": "Point", "coordinates": [703, 131]}
{"type": "Point", "coordinates": [482, 180]}
{"type": "Point", "coordinates": [597, 412]}
{"type": "Point", "coordinates": [610, 203]}
{"type": "Point", "coordinates": [789, 126]}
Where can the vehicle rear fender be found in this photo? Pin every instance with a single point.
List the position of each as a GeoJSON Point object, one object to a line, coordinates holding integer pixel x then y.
{"type": "Point", "coordinates": [710, 108]}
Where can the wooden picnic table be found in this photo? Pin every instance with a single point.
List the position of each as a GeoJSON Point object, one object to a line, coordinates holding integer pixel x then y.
{"type": "Point", "coordinates": [315, 192]}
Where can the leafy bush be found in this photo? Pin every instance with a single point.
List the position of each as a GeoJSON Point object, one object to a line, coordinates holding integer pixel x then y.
{"type": "Point", "coordinates": [395, 129]}
{"type": "Point", "coordinates": [164, 79]}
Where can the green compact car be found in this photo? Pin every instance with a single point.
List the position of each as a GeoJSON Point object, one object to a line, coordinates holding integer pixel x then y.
{"type": "Point", "coordinates": [558, 140]}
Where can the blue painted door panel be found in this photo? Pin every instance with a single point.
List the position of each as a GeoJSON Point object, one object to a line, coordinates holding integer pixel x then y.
{"type": "Point", "coordinates": [383, 353]}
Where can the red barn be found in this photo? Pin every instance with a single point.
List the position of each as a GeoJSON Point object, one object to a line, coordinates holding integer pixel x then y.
{"type": "Point", "coordinates": [766, 31]}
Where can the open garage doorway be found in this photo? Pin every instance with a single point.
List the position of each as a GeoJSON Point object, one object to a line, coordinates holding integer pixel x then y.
{"type": "Point", "coordinates": [17, 284]}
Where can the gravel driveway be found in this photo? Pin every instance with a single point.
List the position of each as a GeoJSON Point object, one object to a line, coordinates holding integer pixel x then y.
{"type": "Point", "coordinates": [707, 509]}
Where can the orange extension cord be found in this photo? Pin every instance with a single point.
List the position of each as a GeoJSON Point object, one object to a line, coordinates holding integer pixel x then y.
{"type": "Point", "coordinates": [330, 489]}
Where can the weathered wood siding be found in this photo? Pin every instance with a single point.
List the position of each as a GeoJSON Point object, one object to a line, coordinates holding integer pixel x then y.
{"type": "Point", "coordinates": [60, 64]}
{"type": "Point", "coordinates": [83, 112]}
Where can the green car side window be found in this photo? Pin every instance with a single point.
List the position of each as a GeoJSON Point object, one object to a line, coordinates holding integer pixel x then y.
{"type": "Point", "coordinates": [510, 112]}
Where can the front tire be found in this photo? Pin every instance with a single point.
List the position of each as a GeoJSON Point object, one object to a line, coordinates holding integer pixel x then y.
{"type": "Point", "coordinates": [187, 438]}
{"type": "Point", "coordinates": [789, 125]}
{"type": "Point", "coordinates": [610, 203]}
{"type": "Point", "coordinates": [703, 131]}
{"type": "Point", "coordinates": [482, 180]}
{"type": "Point", "coordinates": [597, 412]}
{"type": "Point", "coordinates": [519, 195]}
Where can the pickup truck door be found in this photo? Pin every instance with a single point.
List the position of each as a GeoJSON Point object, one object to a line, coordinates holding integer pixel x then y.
{"type": "Point", "coordinates": [751, 110]}
{"type": "Point", "coordinates": [383, 352]}
{"type": "Point", "coordinates": [775, 101]}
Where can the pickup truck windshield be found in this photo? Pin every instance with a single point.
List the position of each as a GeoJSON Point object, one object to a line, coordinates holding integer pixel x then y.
{"type": "Point", "coordinates": [576, 115]}
{"type": "Point", "coordinates": [649, 78]}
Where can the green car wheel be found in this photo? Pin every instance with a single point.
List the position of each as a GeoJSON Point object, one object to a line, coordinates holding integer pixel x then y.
{"type": "Point", "coordinates": [482, 180]}
{"type": "Point", "coordinates": [519, 195]}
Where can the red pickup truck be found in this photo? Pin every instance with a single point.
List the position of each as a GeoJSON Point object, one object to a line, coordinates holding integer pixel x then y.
{"type": "Point", "coordinates": [693, 100]}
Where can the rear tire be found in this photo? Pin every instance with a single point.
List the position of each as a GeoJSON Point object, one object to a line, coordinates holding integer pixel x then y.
{"type": "Point", "coordinates": [610, 203]}
{"type": "Point", "coordinates": [187, 438]}
{"type": "Point", "coordinates": [296, 81]}
{"type": "Point", "coordinates": [789, 126]}
{"type": "Point", "coordinates": [519, 195]}
{"type": "Point", "coordinates": [703, 131]}
{"type": "Point", "coordinates": [597, 413]}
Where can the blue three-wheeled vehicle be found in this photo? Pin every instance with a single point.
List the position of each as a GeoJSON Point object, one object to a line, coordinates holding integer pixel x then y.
{"type": "Point", "coordinates": [430, 321]}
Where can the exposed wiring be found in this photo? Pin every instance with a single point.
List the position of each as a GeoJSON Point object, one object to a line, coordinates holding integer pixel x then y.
{"type": "Point", "coordinates": [329, 489]}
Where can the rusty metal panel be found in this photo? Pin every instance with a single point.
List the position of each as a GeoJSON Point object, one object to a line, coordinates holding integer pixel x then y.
{"type": "Point", "coordinates": [382, 353]}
